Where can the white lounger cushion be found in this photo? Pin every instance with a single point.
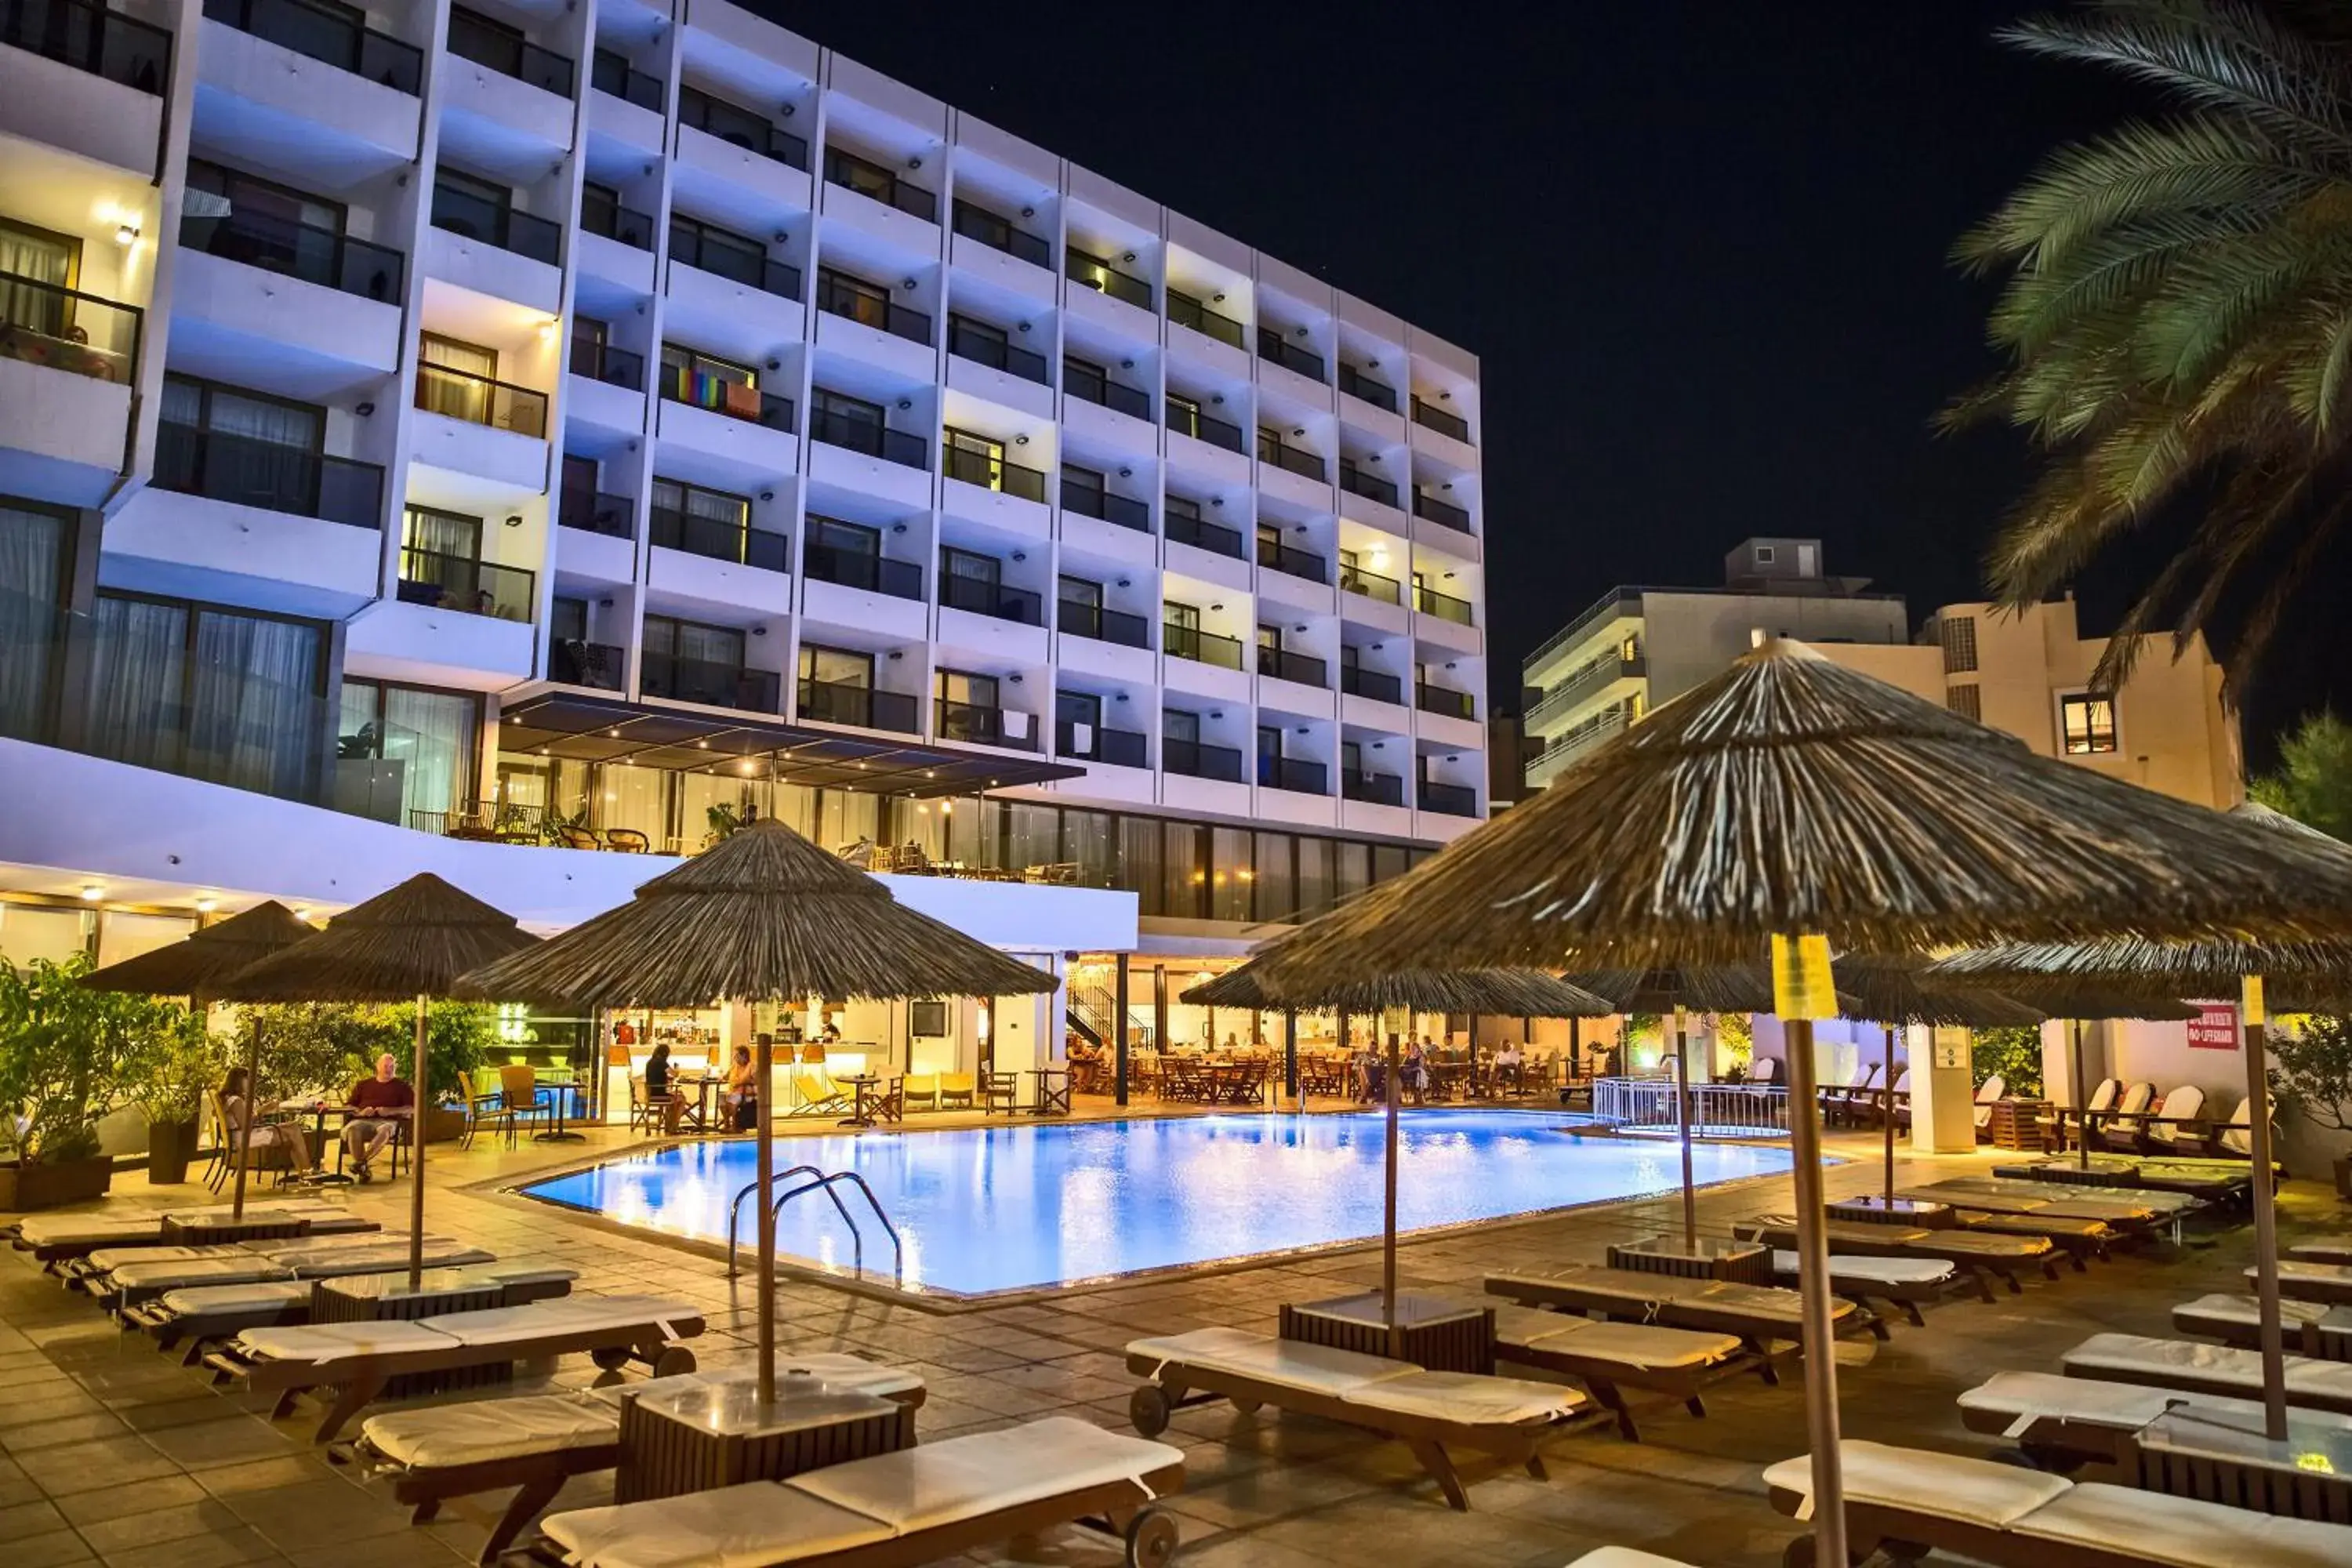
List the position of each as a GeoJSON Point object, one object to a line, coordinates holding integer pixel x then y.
{"type": "Point", "coordinates": [732, 1527]}
{"type": "Point", "coordinates": [1873, 1270]}
{"type": "Point", "coordinates": [2314, 1249]}
{"type": "Point", "coordinates": [2338, 1276]}
{"type": "Point", "coordinates": [1647, 1347]}
{"type": "Point", "coordinates": [1626, 1557]}
{"type": "Point", "coordinates": [565, 1315]}
{"type": "Point", "coordinates": [259, 1295]}
{"type": "Point", "coordinates": [1469, 1398]}
{"type": "Point", "coordinates": [1246, 1354]}
{"type": "Point", "coordinates": [333, 1342]}
{"type": "Point", "coordinates": [2246, 1312]}
{"type": "Point", "coordinates": [934, 1483]}
{"type": "Point", "coordinates": [2307, 1377]}
{"type": "Point", "coordinates": [443, 1436]}
{"type": "Point", "coordinates": [2126, 1407]}
{"type": "Point", "coordinates": [2184, 1533]}
{"type": "Point", "coordinates": [239, 1269]}
{"type": "Point", "coordinates": [1970, 1491]}
{"type": "Point", "coordinates": [1530, 1326]}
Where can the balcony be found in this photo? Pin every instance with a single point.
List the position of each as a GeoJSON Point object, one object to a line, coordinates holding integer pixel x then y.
{"type": "Point", "coordinates": [737, 260]}
{"type": "Point", "coordinates": [985, 468]}
{"type": "Point", "coordinates": [994, 600]}
{"type": "Point", "coordinates": [861, 569]}
{"type": "Point", "coordinates": [1092, 500]}
{"type": "Point", "coordinates": [1272, 345]}
{"type": "Point", "coordinates": [1448, 800]}
{"type": "Point", "coordinates": [1445, 606]}
{"type": "Point", "coordinates": [901, 446]}
{"type": "Point", "coordinates": [1192, 528]}
{"type": "Point", "coordinates": [715, 539]}
{"type": "Point", "coordinates": [699, 111]}
{"type": "Point", "coordinates": [478, 400]}
{"type": "Point", "coordinates": [1379, 687]}
{"type": "Point", "coordinates": [1444, 702]}
{"type": "Point", "coordinates": [980, 224]}
{"type": "Point", "coordinates": [839, 702]}
{"type": "Point", "coordinates": [1089, 384]}
{"type": "Point", "coordinates": [713, 684]}
{"type": "Point", "coordinates": [1571, 747]}
{"type": "Point", "coordinates": [608, 362]}
{"type": "Point", "coordinates": [1272, 449]}
{"type": "Point", "coordinates": [1104, 624]}
{"type": "Point", "coordinates": [322, 256]}
{"type": "Point", "coordinates": [1187, 311]}
{"type": "Point", "coordinates": [871, 180]}
{"type": "Point", "coordinates": [446, 581]}
{"type": "Point", "coordinates": [475, 38]}
{"type": "Point", "coordinates": [975, 725]}
{"type": "Point", "coordinates": [1201, 648]}
{"type": "Point", "coordinates": [1292, 773]}
{"type": "Point", "coordinates": [1357, 385]}
{"type": "Point", "coordinates": [327, 36]}
{"type": "Point", "coordinates": [837, 295]}
{"type": "Point", "coordinates": [984, 344]}
{"type": "Point", "coordinates": [65, 329]}
{"type": "Point", "coordinates": [719, 395]}
{"type": "Point", "coordinates": [1372, 789]}
{"type": "Point", "coordinates": [1371, 487]}
{"type": "Point", "coordinates": [268, 475]}
{"type": "Point", "coordinates": [1195, 759]}
{"type": "Point", "coordinates": [598, 666]}
{"type": "Point", "coordinates": [470, 217]}
{"type": "Point", "coordinates": [1372, 586]}
{"type": "Point", "coordinates": [1583, 684]}
{"type": "Point", "coordinates": [612, 73]}
{"type": "Point", "coordinates": [615, 517]}
{"type": "Point", "coordinates": [1104, 278]}
{"type": "Point", "coordinates": [1444, 514]}
{"type": "Point", "coordinates": [1431, 417]}
{"type": "Point", "coordinates": [1120, 748]}
{"type": "Point", "coordinates": [1279, 557]}
{"type": "Point", "coordinates": [1186, 419]}
{"type": "Point", "coordinates": [89, 37]}
{"type": "Point", "coordinates": [1284, 664]}
{"type": "Point", "coordinates": [599, 214]}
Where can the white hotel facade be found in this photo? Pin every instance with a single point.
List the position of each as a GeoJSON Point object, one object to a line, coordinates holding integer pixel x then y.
{"type": "Point", "coordinates": [555, 420]}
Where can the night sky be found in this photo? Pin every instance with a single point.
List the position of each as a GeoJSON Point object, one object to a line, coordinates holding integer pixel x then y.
{"type": "Point", "coordinates": [1700, 249]}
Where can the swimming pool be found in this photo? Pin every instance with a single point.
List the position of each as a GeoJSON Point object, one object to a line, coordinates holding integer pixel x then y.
{"type": "Point", "coordinates": [1021, 1206]}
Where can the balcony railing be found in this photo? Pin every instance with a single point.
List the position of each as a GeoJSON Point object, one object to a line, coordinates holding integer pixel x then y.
{"type": "Point", "coordinates": [971, 340]}
{"type": "Point", "coordinates": [1273, 345]}
{"type": "Point", "coordinates": [980, 224]}
{"type": "Point", "coordinates": [991, 472]}
{"type": "Point", "coordinates": [994, 600]}
{"type": "Point", "coordinates": [1374, 789]}
{"type": "Point", "coordinates": [1279, 557]}
{"type": "Point", "coordinates": [1444, 513]}
{"type": "Point", "coordinates": [1104, 278]}
{"type": "Point", "coordinates": [269, 475]}
{"type": "Point", "coordinates": [717, 117]}
{"type": "Point", "coordinates": [320, 256]}
{"type": "Point", "coordinates": [695, 389]}
{"type": "Point", "coordinates": [89, 37]}
{"type": "Point", "coordinates": [1196, 759]}
{"type": "Point", "coordinates": [839, 702]}
{"type": "Point", "coordinates": [327, 36]}
{"type": "Point", "coordinates": [1272, 449]}
{"type": "Point", "coordinates": [837, 297]}
{"type": "Point", "coordinates": [1202, 647]}
{"type": "Point", "coordinates": [1448, 800]}
{"type": "Point", "coordinates": [1371, 487]}
{"type": "Point", "coordinates": [736, 261]}
{"type": "Point", "coordinates": [1284, 664]}
{"type": "Point", "coordinates": [1615, 603]}
{"type": "Point", "coordinates": [1187, 420]}
{"type": "Point", "coordinates": [975, 725]}
{"type": "Point", "coordinates": [461, 212]}
{"type": "Point", "coordinates": [714, 685]}
{"type": "Point", "coordinates": [869, 179]}
{"type": "Point", "coordinates": [863, 569]}
{"type": "Point", "coordinates": [1295, 775]}
{"type": "Point", "coordinates": [602, 215]}
{"type": "Point", "coordinates": [612, 73]}
{"type": "Point", "coordinates": [1092, 500]}
{"type": "Point", "coordinates": [1356, 383]}
{"type": "Point", "coordinates": [615, 517]}
{"type": "Point", "coordinates": [716, 539]}
{"type": "Point", "coordinates": [67, 330]}
{"type": "Point", "coordinates": [1104, 625]}
{"type": "Point", "coordinates": [1431, 417]}
{"type": "Point", "coordinates": [1190, 528]}
{"type": "Point", "coordinates": [1186, 311]}
{"type": "Point", "coordinates": [460, 583]}
{"type": "Point", "coordinates": [1445, 606]}
{"type": "Point", "coordinates": [837, 430]}
{"type": "Point", "coordinates": [1378, 685]}
{"type": "Point", "coordinates": [1371, 584]}
{"type": "Point", "coordinates": [1120, 748]}
{"type": "Point", "coordinates": [1443, 700]}
{"type": "Point", "coordinates": [478, 400]}
{"type": "Point", "coordinates": [575, 662]}
{"type": "Point", "coordinates": [1573, 744]}
{"type": "Point", "coordinates": [472, 39]}
{"type": "Point", "coordinates": [1580, 685]}
{"type": "Point", "coordinates": [608, 362]}
{"type": "Point", "coordinates": [1088, 384]}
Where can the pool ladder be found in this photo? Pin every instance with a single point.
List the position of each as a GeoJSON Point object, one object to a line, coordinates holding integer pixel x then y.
{"type": "Point", "coordinates": [825, 1182]}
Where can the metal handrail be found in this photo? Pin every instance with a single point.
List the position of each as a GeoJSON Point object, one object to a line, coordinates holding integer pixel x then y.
{"type": "Point", "coordinates": [822, 1180]}
{"type": "Point", "coordinates": [735, 1209]}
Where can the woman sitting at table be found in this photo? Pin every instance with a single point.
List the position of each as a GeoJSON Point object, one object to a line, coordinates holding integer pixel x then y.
{"type": "Point", "coordinates": [743, 1092]}
{"type": "Point", "coordinates": [285, 1136]}
{"type": "Point", "coordinates": [1412, 1076]}
{"type": "Point", "coordinates": [660, 1092]}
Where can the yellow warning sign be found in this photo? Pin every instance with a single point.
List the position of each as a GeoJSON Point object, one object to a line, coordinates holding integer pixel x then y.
{"type": "Point", "coordinates": [1802, 986]}
{"type": "Point", "coordinates": [2250, 1001]}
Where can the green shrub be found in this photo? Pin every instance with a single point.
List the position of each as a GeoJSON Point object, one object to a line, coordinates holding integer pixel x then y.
{"type": "Point", "coordinates": [69, 1055]}
{"type": "Point", "coordinates": [2312, 1077]}
{"type": "Point", "coordinates": [2015, 1053]}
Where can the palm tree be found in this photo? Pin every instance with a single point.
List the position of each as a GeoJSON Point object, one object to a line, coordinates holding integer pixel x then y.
{"type": "Point", "coordinates": [2178, 315]}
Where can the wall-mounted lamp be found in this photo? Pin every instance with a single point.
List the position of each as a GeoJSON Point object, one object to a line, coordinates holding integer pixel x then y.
{"type": "Point", "coordinates": [905, 404]}
{"type": "Point", "coordinates": [365, 410]}
{"type": "Point", "coordinates": [1028, 212]}
{"type": "Point", "coordinates": [1015, 680]}
{"type": "Point", "coordinates": [1127, 365]}
{"type": "Point", "coordinates": [785, 110]}
{"type": "Point", "coordinates": [908, 284]}
{"type": "Point", "coordinates": [915, 163]}
{"type": "Point", "coordinates": [767, 495]}
{"type": "Point", "coordinates": [126, 234]}
{"type": "Point", "coordinates": [1217, 299]}
{"type": "Point", "coordinates": [1021, 440]}
{"type": "Point", "coordinates": [897, 653]}
{"type": "Point", "coordinates": [898, 528]}
{"type": "Point", "coordinates": [1130, 255]}
{"type": "Point", "coordinates": [759, 631]}
{"type": "Point", "coordinates": [1215, 607]}
{"type": "Point", "coordinates": [1120, 698]}
{"type": "Point", "coordinates": [92, 893]}
{"type": "Point", "coordinates": [605, 603]}
{"type": "Point", "coordinates": [1126, 473]}
{"type": "Point", "coordinates": [514, 519]}
{"type": "Point", "coordinates": [1020, 555]}
{"type": "Point", "coordinates": [774, 363]}
{"type": "Point", "coordinates": [207, 905]}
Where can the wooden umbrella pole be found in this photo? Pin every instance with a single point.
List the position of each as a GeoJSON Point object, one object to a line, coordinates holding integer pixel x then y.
{"type": "Point", "coordinates": [763, 1067]}
{"type": "Point", "coordinates": [1813, 1279]}
{"type": "Point", "coordinates": [2266, 1278]}
{"type": "Point", "coordinates": [1887, 1080]}
{"type": "Point", "coordinates": [2075, 1090]}
{"type": "Point", "coordinates": [244, 1133]}
{"type": "Point", "coordinates": [1290, 1053]}
{"type": "Point", "coordinates": [1388, 1231]}
{"type": "Point", "coordinates": [420, 1120]}
{"type": "Point", "coordinates": [1682, 1117]}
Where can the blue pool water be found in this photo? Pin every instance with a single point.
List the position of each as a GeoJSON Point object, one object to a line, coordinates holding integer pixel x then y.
{"type": "Point", "coordinates": [1004, 1209]}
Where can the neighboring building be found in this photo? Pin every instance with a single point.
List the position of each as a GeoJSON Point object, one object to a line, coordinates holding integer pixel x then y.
{"type": "Point", "coordinates": [2027, 672]}
{"type": "Point", "coordinates": [584, 421]}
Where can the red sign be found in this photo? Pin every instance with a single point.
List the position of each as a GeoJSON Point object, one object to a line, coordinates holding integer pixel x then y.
{"type": "Point", "coordinates": [2215, 1027]}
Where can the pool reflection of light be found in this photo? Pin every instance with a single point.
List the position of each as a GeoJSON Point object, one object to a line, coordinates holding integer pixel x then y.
{"type": "Point", "coordinates": [1003, 1207]}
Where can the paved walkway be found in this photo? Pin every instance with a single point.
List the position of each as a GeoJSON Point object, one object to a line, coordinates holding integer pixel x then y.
{"type": "Point", "coordinates": [113, 1452]}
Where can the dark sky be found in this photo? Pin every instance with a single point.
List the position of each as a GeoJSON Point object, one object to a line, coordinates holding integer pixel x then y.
{"type": "Point", "coordinates": [1700, 248]}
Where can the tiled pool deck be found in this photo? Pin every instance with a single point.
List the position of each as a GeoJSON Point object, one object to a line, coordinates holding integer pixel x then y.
{"type": "Point", "coordinates": [112, 1452]}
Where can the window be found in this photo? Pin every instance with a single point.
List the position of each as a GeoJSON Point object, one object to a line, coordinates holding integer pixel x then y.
{"type": "Point", "coordinates": [223, 695]}
{"type": "Point", "coordinates": [1958, 633]}
{"type": "Point", "coordinates": [432, 736]}
{"type": "Point", "coordinates": [1763, 555]}
{"type": "Point", "coordinates": [36, 556]}
{"type": "Point", "coordinates": [38, 257]}
{"type": "Point", "coordinates": [706, 382]}
{"type": "Point", "coordinates": [837, 667]}
{"type": "Point", "coordinates": [1965, 700]}
{"type": "Point", "coordinates": [2088, 723]}
{"type": "Point", "coordinates": [465, 395]}
{"type": "Point", "coordinates": [241, 447]}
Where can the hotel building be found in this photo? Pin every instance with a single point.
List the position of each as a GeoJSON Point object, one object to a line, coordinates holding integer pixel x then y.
{"type": "Point", "coordinates": [500, 436]}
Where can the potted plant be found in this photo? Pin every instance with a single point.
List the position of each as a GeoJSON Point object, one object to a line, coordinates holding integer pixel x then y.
{"type": "Point", "coordinates": [63, 1052]}
{"type": "Point", "coordinates": [2312, 1077]}
{"type": "Point", "coordinates": [176, 1059]}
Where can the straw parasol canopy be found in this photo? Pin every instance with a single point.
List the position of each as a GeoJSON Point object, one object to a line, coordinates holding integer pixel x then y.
{"type": "Point", "coordinates": [1511, 993]}
{"type": "Point", "coordinates": [194, 966]}
{"type": "Point", "coordinates": [411, 941]}
{"type": "Point", "coordinates": [1901, 991]}
{"type": "Point", "coordinates": [2084, 979]}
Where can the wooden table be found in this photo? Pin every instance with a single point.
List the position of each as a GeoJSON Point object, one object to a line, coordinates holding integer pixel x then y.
{"type": "Point", "coordinates": [695, 1438]}
{"type": "Point", "coordinates": [1050, 1094]}
{"type": "Point", "coordinates": [1709, 1258]}
{"type": "Point", "coordinates": [2226, 1459]}
{"type": "Point", "coordinates": [1873, 1209]}
{"type": "Point", "coordinates": [258, 1224]}
{"type": "Point", "coordinates": [1440, 1332]}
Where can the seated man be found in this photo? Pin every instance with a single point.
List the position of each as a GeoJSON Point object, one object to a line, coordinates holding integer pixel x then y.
{"type": "Point", "coordinates": [380, 1105]}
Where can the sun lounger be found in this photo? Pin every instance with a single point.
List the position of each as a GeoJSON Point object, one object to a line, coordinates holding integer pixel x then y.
{"type": "Point", "coordinates": [1758, 1314]}
{"type": "Point", "coordinates": [2323, 1249]}
{"type": "Point", "coordinates": [2001, 1256]}
{"type": "Point", "coordinates": [924, 1504]}
{"type": "Point", "coordinates": [357, 1360]}
{"type": "Point", "coordinates": [2307, 1280]}
{"type": "Point", "coordinates": [1994, 1194]}
{"type": "Point", "coordinates": [1626, 1557]}
{"type": "Point", "coordinates": [2065, 1423]}
{"type": "Point", "coordinates": [1429, 1411]}
{"type": "Point", "coordinates": [2217, 1180]}
{"type": "Point", "coordinates": [2312, 1327]}
{"type": "Point", "coordinates": [1609, 1358]}
{"type": "Point", "coordinates": [2197, 1368]}
{"type": "Point", "coordinates": [141, 1280]}
{"type": "Point", "coordinates": [55, 1239]}
{"type": "Point", "coordinates": [198, 1313]}
{"type": "Point", "coordinates": [535, 1443]}
{"type": "Point", "coordinates": [2016, 1518]}
{"type": "Point", "coordinates": [1904, 1282]}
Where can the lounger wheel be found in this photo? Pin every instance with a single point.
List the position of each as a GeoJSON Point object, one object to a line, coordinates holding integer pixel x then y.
{"type": "Point", "coordinates": [674, 1362]}
{"type": "Point", "coordinates": [612, 1358]}
{"type": "Point", "coordinates": [1151, 1540]}
{"type": "Point", "coordinates": [1246, 1406]}
{"type": "Point", "coordinates": [1148, 1409]}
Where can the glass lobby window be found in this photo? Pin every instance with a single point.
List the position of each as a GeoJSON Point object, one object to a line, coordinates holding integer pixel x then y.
{"type": "Point", "coordinates": [1139, 848]}
{"type": "Point", "coordinates": [434, 735]}
{"type": "Point", "coordinates": [36, 548]}
{"type": "Point", "coordinates": [214, 694]}
{"type": "Point", "coordinates": [2088, 723]}
{"type": "Point", "coordinates": [1231, 873]}
{"type": "Point", "coordinates": [1184, 880]}
{"type": "Point", "coordinates": [1274, 892]}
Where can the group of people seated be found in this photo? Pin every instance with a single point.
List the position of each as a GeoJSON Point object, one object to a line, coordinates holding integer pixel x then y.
{"type": "Point", "coordinates": [375, 1111]}
{"type": "Point", "coordinates": [667, 1099]}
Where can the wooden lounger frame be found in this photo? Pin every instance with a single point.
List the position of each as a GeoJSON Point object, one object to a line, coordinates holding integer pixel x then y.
{"type": "Point", "coordinates": [2320, 1342]}
{"type": "Point", "coordinates": [1757, 1334]}
{"type": "Point", "coordinates": [1608, 1380]}
{"type": "Point", "coordinates": [215, 1232]}
{"type": "Point", "coordinates": [1975, 1266]}
{"type": "Point", "coordinates": [202, 1329]}
{"type": "Point", "coordinates": [2190, 1382]}
{"type": "Point", "coordinates": [1905, 1535]}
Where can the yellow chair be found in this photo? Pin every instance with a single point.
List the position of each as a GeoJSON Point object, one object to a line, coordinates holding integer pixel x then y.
{"type": "Point", "coordinates": [920, 1090]}
{"type": "Point", "coordinates": [958, 1089]}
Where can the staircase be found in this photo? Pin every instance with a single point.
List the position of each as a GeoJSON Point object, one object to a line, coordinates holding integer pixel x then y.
{"type": "Point", "coordinates": [1092, 1008]}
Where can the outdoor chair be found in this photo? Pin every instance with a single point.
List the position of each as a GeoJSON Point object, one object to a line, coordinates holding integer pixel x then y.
{"type": "Point", "coordinates": [483, 1109]}
{"type": "Point", "coordinates": [1988, 1093]}
{"type": "Point", "coordinates": [644, 1116]}
{"type": "Point", "coordinates": [999, 1091]}
{"type": "Point", "coordinates": [626, 841]}
{"type": "Point", "coordinates": [120, 1280]}
{"type": "Point", "coordinates": [59, 1242]}
{"type": "Point", "coordinates": [1984, 1257]}
{"type": "Point", "coordinates": [2119, 1129]}
{"type": "Point", "coordinates": [958, 1090]}
{"type": "Point", "coordinates": [908, 860]}
{"type": "Point", "coordinates": [571, 836]}
{"type": "Point", "coordinates": [1841, 1104]}
{"type": "Point", "coordinates": [525, 1101]}
{"type": "Point", "coordinates": [919, 1091]}
{"type": "Point", "coordinates": [1904, 1283]}
{"type": "Point", "coordinates": [819, 1094]}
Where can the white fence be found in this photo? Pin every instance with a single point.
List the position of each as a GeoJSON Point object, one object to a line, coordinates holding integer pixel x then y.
{"type": "Point", "coordinates": [1717, 1110]}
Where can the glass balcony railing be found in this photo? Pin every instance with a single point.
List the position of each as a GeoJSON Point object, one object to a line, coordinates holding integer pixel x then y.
{"type": "Point", "coordinates": [863, 569]}
{"type": "Point", "coordinates": [997, 234]}
{"type": "Point", "coordinates": [984, 345]}
{"type": "Point", "coordinates": [1092, 500]}
{"type": "Point", "coordinates": [1104, 278]}
{"type": "Point", "coordinates": [1443, 700]}
{"type": "Point", "coordinates": [478, 400]}
{"type": "Point", "coordinates": [717, 538]}
{"type": "Point", "coordinates": [608, 362]}
{"type": "Point", "coordinates": [1120, 748]}
{"type": "Point", "coordinates": [1294, 774]}
{"type": "Point", "coordinates": [1187, 311]}
{"type": "Point", "coordinates": [1444, 513]}
{"type": "Point", "coordinates": [612, 73]}
{"type": "Point", "coordinates": [1371, 584]}
{"type": "Point", "coordinates": [269, 475]}
{"type": "Point", "coordinates": [89, 37]}
{"type": "Point", "coordinates": [975, 725]}
{"type": "Point", "coordinates": [991, 472]}
{"type": "Point", "coordinates": [1357, 385]}
{"type": "Point", "coordinates": [602, 215]}
{"type": "Point", "coordinates": [1279, 557]}
{"type": "Point", "coordinates": [1445, 606]}
{"type": "Point", "coordinates": [1202, 647]}
{"type": "Point", "coordinates": [839, 702]}
{"type": "Point", "coordinates": [870, 179]}
{"type": "Point", "coordinates": [1377, 684]}
{"type": "Point", "coordinates": [574, 661]}
{"type": "Point", "coordinates": [1286, 664]}
{"type": "Point", "coordinates": [719, 395]}
{"type": "Point", "coordinates": [1272, 449]}
{"type": "Point", "coordinates": [477, 38]}
{"type": "Point", "coordinates": [994, 600]}
{"type": "Point", "coordinates": [1371, 487]}
{"type": "Point", "coordinates": [740, 127]}
{"type": "Point", "coordinates": [837, 296]}
{"type": "Point", "coordinates": [462, 212]}
{"type": "Point", "coordinates": [1373, 789]}
{"type": "Point", "coordinates": [1101, 624]}
{"type": "Point", "coordinates": [1196, 759]}
{"type": "Point", "coordinates": [320, 256]}
{"type": "Point", "coordinates": [711, 684]}
{"type": "Point", "coordinates": [67, 330]}
{"type": "Point", "coordinates": [1292, 356]}
{"type": "Point", "coordinates": [1089, 384]}
{"type": "Point", "coordinates": [1190, 528]}
{"type": "Point", "coordinates": [615, 517]}
{"type": "Point", "coordinates": [738, 262]}
{"type": "Point", "coordinates": [1186, 419]}
{"type": "Point", "coordinates": [330, 35]}
{"type": "Point", "coordinates": [472, 587]}
{"type": "Point", "coordinates": [1430, 417]}
{"type": "Point", "coordinates": [1448, 800]}
{"type": "Point", "coordinates": [852, 433]}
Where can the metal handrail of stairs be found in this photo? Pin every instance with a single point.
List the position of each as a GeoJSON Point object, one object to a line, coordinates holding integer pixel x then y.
{"type": "Point", "coordinates": [824, 1180]}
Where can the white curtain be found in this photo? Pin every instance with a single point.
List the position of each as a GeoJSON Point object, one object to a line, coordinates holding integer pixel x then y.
{"type": "Point", "coordinates": [44, 260]}
{"type": "Point", "coordinates": [138, 676]}
{"type": "Point", "coordinates": [32, 568]}
{"type": "Point", "coordinates": [256, 714]}
{"type": "Point", "coordinates": [433, 732]}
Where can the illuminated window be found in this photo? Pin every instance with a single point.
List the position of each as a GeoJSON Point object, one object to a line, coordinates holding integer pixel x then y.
{"type": "Point", "coordinates": [1960, 637]}
{"type": "Point", "coordinates": [2088, 725]}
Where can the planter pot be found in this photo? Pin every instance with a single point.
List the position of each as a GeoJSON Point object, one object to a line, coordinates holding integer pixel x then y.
{"type": "Point", "coordinates": [443, 1125]}
{"type": "Point", "coordinates": [45, 1187]}
{"type": "Point", "coordinates": [170, 1146]}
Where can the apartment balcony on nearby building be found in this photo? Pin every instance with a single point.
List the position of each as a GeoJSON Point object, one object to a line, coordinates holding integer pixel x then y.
{"type": "Point", "coordinates": [1445, 606]}
{"type": "Point", "coordinates": [994, 600]}
{"type": "Point", "coordinates": [1293, 356]}
{"type": "Point", "coordinates": [862, 569]}
{"type": "Point", "coordinates": [1286, 664]}
{"type": "Point", "coordinates": [1443, 700]}
{"type": "Point", "coordinates": [269, 475]}
{"type": "Point", "coordinates": [591, 512]}
{"type": "Point", "coordinates": [1626, 662]}
{"type": "Point", "coordinates": [610, 72]}
{"type": "Point", "coordinates": [479, 400]}
{"type": "Point", "coordinates": [1089, 499]}
{"type": "Point", "coordinates": [698, 110]}
{"type": "Point", "coordinates": [1202, 647]}
{"type": "Point", "coordinates": [326, 256]}
{"type": "Point", "coordinates": [62, 328]}
{"type": "Point", "coordinates": [1370, 486]}
{"type": "Point", "coordinates": [1378, 686]}
{"type": "Point", "coordinates": [476, 37]}
{"type": "Point", "coordinates": [332, 37]}
{"type": "Point", "coordinates": [1089, 383]}
{"type": "Point", "coordinates": [465, 211]}
{"type": "Point", "coordinates": [869, 304]}
{"type": "Point", "coordinates": [981, 343]}
{"type": "Point", "coordinates": [976, 461]}
{"type": "Point", "coordinates": [840, 702]}
{"type": "Point", "coordinates": [600, 666]}
{"type": "Point", "coordinates": [607, 362]}
{"type": "Point", "coordinates": [1370, 585]}
{"type": "Point", "coordinates": [718, 539]}
{"type": "Point", "coordinates": [1295, 775]}
{"type": "Point", "coordinates": [732, 256]}
{"type": "Point", "coordinates": [1445, 514]}
{"type": "Point", "coordinates": [459, 583]}
{"type": "Point", "coordinates": [1187, 311]}
{"type": "Point", "coordinates": [1432, 417]}
{"type": "Point", "coordinates": [1185, 418]}
{"type": "Point", "coordinates": [1276, 556]}
{"type": "Point", "coordinates": [686, 378]}
{"type": "Point", "coordinates": [1104, 278]}
{"type": "Point", "coordinates": [1272, 449]}
{"type": "Point", "coordinates": [868, 438]}
{"type": "Point", "coordinates": [601, 213]}
{"type": "Point", "coordinates": [1104, 624]}
{"type": "Point", "coordinates": [1373, 789]}
{"type": "Point", "coordinates": [978, 223]}
{"type": "Point", "coordinates": [715, 685]}
{"type": "Point", "coordinates": [976, 725]}
{"type": "Point", "coordinates": [1199, 760]}
{"type": "Point", "coordinates": [1357, 385]}
{"type": "Point", "coordinates": [1120, 748]}
{"type": "Point", "coordinates": [867, 178]}
{"type": "Point", "coordinates": [1448, 800]}
{"type": "Point", "coordinates": [1185, 525]}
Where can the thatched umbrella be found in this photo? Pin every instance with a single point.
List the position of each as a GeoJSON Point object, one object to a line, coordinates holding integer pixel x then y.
{"type": "Point", "coordinates": [194, 967]}
{"type": "Point", "coordinates": [762, 916]}
{"type": "Point", "coordinates": [1530, 993]}
{"type": "Point", "coordinates": [1796, 801]}
{"type": "Point", "coordinates": [408, 942]}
